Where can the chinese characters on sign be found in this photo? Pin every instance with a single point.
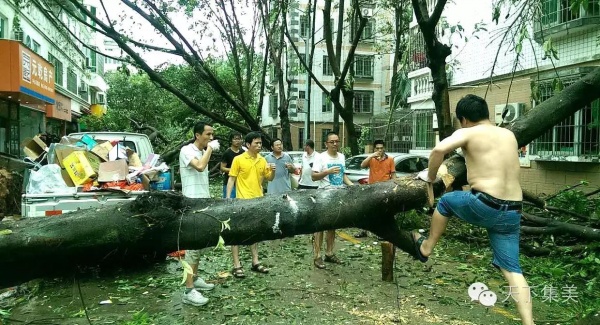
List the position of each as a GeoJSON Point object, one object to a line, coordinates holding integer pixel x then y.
{"type": "Point", "coordinates": [549, 293]}
{"type": "Point", "coordinates": [36, 72]}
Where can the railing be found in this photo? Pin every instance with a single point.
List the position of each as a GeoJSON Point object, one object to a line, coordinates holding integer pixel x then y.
{"type": "Point", "coordinates": [421, 86]}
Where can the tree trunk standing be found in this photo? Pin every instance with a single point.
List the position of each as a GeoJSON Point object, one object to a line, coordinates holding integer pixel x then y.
{"type": "Point", "coordinates": [436, 54]}
{"type": "Point", "coordinates": [388, 256]}
{"type": "Point", "coordinates": [347, 113]}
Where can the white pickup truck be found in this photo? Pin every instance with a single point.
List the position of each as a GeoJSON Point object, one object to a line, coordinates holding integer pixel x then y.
{"type": "Point", "coordinates": [39, 205]}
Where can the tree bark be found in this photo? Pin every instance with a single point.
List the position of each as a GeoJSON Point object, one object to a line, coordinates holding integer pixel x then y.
{"type": "Point", "coordinates": [159, 222]}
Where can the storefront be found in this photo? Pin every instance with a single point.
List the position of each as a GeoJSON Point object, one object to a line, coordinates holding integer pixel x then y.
{"type": "Point", "coordinates": [58, 116]}
{"type": "Point", "coordinates": [26, 88]}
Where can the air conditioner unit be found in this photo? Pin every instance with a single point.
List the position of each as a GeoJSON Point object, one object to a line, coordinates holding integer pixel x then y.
{"type": "Point", "coordinates": [83, 88]}
{"type": "Point", "coordinates": [101, 99]}
{"type": "Point", "coordinates": [510, 111]}
{"type": "Point", "coordinates": [367, 12]}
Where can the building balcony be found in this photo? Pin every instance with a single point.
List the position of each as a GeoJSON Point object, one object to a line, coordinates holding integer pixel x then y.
{"type": "Point", "coordinates": [558, 20]}
{"type": "Point", "coordinates": [421, 85]}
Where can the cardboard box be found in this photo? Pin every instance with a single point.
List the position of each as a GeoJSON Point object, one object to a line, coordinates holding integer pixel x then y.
{"type": "Point", "coordinates": [66, 177]}
{"type": "Point", "coordinates": [102, 150]}
{"type": "Point", "coordinates": [79, 168]}
{"type": "Point", "coordinates": [113, 171]}
{"type": "Point", "coordinates": [34, 148]}
{"type": "Point", "coordinates": [61, 151]}
{"type": "Point", "coordinates": [134, 159]}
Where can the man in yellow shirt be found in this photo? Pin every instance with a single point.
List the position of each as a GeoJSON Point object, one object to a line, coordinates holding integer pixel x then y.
{"type": "Point", "coordinates": [247, 173]}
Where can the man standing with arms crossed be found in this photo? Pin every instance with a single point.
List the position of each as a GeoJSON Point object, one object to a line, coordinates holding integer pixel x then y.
{"type": "Point", "coordinates": [235, 150]}
{"type": "Point", "coordinates": [328, 169]}
{"type": "Point", "coordinates": [284, 165]}
{"type": "Point", "coordinates": [495, 199]}
{"type": "Point", "coordinates": [308, 159]}
{"type": "Point", "coordinates": [247, 174]}
{"type": "Point", "coordinates": [381, 169]}
{"type": "Point", "coordinates": [193, 167]}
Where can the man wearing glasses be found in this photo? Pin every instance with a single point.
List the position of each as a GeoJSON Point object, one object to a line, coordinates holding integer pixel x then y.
{"type": "Point", "coordinates": [381, 169]}
{"type": "Point", "coordinates": [328, 169]}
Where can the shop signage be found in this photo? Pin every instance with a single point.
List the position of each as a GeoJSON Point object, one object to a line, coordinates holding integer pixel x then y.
{"type": "Point", "coordinates": [61, 109]}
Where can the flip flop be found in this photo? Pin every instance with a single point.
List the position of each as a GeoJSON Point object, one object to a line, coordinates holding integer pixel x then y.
{"type": "Point", "coordinates": [417, 243]}
{"type": "Point", "coordinates": [238, 272]}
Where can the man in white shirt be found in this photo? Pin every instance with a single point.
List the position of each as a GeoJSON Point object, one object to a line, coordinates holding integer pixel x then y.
{"type": "Point", "coordinates": [193, 167]}
{"type": "Point", "coordinates": [328, 169]}
{"type": "Point", "coordinates": [308, 159]}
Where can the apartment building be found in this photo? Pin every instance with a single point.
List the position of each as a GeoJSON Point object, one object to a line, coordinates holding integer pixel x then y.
{"type": "Point", "coordinates": [48, 78]}
{"type": "Point", "coordinates": [372, 78]}
{"type": "Point", "coordinates": [568, 153]}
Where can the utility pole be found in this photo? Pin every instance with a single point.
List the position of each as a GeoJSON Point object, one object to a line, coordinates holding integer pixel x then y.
{"type": "Point", "coordinates": [307, 92]}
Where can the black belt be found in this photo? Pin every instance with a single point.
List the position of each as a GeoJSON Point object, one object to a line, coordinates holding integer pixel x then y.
{"type": "Point", "coordinates": [497, 204]}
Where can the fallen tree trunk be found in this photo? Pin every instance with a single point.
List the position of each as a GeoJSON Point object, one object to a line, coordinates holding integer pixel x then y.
{"type": "Point", "coordinates": [162, 222]}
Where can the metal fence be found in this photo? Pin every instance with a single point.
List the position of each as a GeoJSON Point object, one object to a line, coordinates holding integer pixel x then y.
{"type": "Point", "coordinates": [408, 129]}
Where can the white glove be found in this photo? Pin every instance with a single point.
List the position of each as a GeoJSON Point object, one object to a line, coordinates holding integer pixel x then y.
{"type": "Point", "coordinates": [424, 175]}
{"type": "Point", "coordinates": [214, 144]}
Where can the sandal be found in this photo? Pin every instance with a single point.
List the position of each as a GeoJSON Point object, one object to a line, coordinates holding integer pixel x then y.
{"type": "Point", "coordinates": [259, 268]}
{"type": "Point", "coordinates": [238, 272]}
{"type": "Point", "coordinates": [417, 243]}
{"type": "Point", "coordinates": [319, 264]}
{"type": "Point", "coordinates": [332, 259]}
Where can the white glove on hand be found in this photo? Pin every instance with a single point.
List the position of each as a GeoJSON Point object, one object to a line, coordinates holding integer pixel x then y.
{"type": "Point", "coordinates": [424, 175]}
{"type": "Point", "coordinates": [214, 144]}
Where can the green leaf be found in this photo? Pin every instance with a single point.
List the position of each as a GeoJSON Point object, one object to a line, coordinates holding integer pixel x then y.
{"type": "Point", "coordinates": [496, 15]}
{"type": "Point", "coordinates": [187, 269]}
{"type": "Point", "coordinates": [221, 243]}
{"type": "Point", "coordinates": [5, 232]}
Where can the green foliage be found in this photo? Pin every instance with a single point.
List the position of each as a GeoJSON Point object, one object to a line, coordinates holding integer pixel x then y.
{"type": "Point", "coordinates": [139, 318]}
{"type": "Point", "coordinates": [576, 201]}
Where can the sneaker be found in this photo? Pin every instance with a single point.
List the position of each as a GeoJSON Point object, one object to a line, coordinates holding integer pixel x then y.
{"type": "Point", "coordinates": [194, 298]}
{"type": "Point", "coordinates": [201, 285]}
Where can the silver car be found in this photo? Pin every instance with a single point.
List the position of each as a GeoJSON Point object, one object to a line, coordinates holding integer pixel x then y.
{"type": "Point", "coordinates": [406, 163]}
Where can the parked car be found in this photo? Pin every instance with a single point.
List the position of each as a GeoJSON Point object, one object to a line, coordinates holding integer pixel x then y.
{"type": "Point", "coordinates": [405, 164]}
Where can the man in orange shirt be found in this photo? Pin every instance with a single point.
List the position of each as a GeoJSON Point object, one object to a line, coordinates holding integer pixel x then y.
{"type": "Point", "coordinates": [381, 169]}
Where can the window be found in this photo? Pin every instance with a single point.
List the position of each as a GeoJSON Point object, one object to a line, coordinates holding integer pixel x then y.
{"type": "Point", "coordinates": [576, 136]}
{"type": "Point", "coordinates": [3, 27]}
{"type": "Point", "coordinates": [58, 69]}
{"type": "Point", "coordinates": [273, 105]}
{"type": "Point", "coordinates": [388, 99]}
{"type": "Point", "coordinates": [363, 66]}
{"type": "Point", "coordinates": [72, 81]}
{"type": "Point", "coordinates": [411, 165]}
{"type": "Point", "coordinates": [556, 12]}
{"type": "Point", "coordinates": [91, 59]}
{"type": "Point", "coordinates": [363, 101]}
{"type": "Point", "coordinates": [300, 138]}
{"type": "Point", "coordinates": [326, 105]}
{"type": "Point", "coordinates": [327, 71]}
{"type": "Point", "coordinates": [304, 26]}
{"type": "Point", "coordinates": [324, 133]}
{"type": "Point", "coordinates": [36, 47]}
{"type": "Point", "coordinates": [93, 12]}
{"type": "Point", "coordinates": [301, 100]}
{"type": "Point", "coordinates": [424, 135]}
{"type": "Point", "coordinates": [368, 31]}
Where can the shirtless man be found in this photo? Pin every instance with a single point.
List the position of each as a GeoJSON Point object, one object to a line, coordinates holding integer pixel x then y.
{"type": "Point", "coordinates": [495, 199]}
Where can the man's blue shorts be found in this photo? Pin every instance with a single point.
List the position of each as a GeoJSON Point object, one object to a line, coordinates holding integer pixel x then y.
{"type": "Point", "coordinates": [225, 192]}
{"type": "Point", "coordinates": [501, 218]}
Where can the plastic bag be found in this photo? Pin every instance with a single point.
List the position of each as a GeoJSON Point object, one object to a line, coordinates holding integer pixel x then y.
{"type": "Point", "coordinates": [47, 179]}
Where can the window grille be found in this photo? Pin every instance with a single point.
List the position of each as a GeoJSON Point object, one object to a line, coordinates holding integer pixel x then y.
{"type": "Point", "coordinates": [424, 135]}
{"type": "Point", "coordinates": [304, 26]}
{"type": "Point", "coordinates": [326, 105]}
{"type": "Point", "coordinates": [58, 69]}
{"type": "Point", "coordinates": [327, 71]}
{"type": "Point", "coordinates": [363, 66]}
{"type": "Point", "coordinates": [363, 101]}
{"type": "Point", "coordinates": [556, 12]}
{"type": "Point", "coordinates": [576, 136]}
{"type": "Point", "coordinates": [72, 81]}
{"type": "Point", "coordinates": [273, 105]}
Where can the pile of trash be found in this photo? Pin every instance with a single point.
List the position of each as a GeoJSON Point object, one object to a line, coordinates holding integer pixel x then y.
{"type": "Point", "coordinates": [91, 165]}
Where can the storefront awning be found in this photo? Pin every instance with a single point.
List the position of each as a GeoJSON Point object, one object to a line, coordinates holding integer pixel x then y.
{"type": "Point", "coordinates": [26, 76]}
